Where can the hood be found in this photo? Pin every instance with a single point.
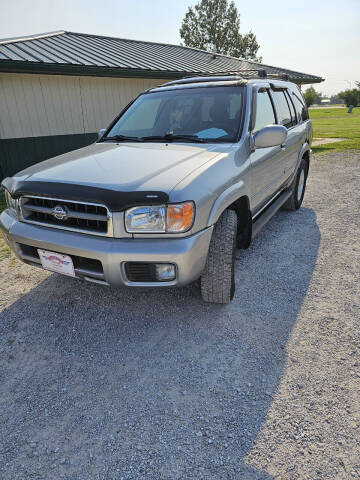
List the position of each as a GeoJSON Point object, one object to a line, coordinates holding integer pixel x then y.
{"type": "Point", "coordinates": [126, 167]}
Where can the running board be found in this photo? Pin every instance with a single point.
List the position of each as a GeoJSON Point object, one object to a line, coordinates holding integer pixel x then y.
{"type": "Point", "coordinates": [269, 212]}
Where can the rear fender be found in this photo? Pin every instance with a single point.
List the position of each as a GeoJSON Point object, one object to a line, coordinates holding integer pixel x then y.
{"type": "Point", "coordinates": [304, 149]}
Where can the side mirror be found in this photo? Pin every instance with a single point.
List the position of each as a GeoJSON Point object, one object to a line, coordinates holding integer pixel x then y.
{"type": "Point", "coordinates": [101, 133]}
{"type": "Point", "coordinates": [270, 136]}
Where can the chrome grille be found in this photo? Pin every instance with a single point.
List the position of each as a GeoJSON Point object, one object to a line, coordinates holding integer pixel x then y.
{"type": "Point", "coordinates": [91, 218]}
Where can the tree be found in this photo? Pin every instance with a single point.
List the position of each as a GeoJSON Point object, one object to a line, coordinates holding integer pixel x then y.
{"type": "Point", "coordinates": [350, 97]}
{"type": "Point", "coordinates": [310, 96]}
{"type": "Point", "coordinates": [358, 85]}
{"type": "Point", "coordinates": [216, 23]}
{"type": "Point", "coordinates": [335, 99]}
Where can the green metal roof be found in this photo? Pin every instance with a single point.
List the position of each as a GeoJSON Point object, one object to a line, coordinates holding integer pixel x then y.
{"type": "Point", "coordinates": [82, 54]}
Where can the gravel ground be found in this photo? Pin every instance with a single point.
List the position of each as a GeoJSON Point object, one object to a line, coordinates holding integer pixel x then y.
{"type": "Point", "coordinates": [106, 384]}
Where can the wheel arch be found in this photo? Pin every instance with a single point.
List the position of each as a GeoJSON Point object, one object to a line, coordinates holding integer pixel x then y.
{"type": "Point", "coordinates": [240, 203]}
{"type": "Point", "coordinates": [304, 153]}
{"type": "Point", "coordinates": [232, 198]}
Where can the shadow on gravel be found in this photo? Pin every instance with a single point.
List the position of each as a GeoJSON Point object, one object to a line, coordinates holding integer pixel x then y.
{"type": "Point", "coordinates": [151, 384]}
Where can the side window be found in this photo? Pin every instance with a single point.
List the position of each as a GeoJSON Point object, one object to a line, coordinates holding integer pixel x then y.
{"type": "Point", "coordinates": [300, 108]}
{"type": "Point", "coordinates": [282, 108]}
{"type": "Point", "coordinates": [292, 109]}
{"type": "Point", "coordinates": [264, 111]}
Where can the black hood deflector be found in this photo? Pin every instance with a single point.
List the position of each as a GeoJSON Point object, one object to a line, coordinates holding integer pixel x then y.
{"type": "Point", "coordinates": [115, 200]}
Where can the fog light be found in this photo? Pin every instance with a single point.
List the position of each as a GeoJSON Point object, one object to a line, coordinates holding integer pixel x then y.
{"type": "Point", "coordinates": [165, 272]}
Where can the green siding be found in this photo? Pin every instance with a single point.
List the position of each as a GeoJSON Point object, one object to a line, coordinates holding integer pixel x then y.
{"type": "Point", "coordinates": [19, 153]}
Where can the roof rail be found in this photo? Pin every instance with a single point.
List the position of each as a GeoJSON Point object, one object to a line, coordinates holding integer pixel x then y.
{"type": "Point", "coordinates": [229, 75]}
{"type": "Point", "coordinates": [205, 78]}
{"type": "Point", "coordinates": [249, 73]}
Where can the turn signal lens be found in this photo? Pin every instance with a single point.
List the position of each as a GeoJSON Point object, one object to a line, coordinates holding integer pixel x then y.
{"type": "Point", "coordinates": [179, 217]}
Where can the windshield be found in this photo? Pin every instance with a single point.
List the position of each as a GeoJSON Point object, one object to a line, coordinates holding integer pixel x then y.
{"type": "Point", "coordinates": [208, 114]}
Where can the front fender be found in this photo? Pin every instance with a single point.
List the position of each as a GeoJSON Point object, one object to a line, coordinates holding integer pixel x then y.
{"type": "Point", "coordinates": [226, 198]}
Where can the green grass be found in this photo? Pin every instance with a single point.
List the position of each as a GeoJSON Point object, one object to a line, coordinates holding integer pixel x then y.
{"type": "Point", "coordinates": [4, 249]}
{"type": "Point", "coordinates": [336, 123]}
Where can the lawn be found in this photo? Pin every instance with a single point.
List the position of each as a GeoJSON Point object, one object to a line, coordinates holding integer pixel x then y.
{"type": "Point", "coordinates": [336, 123]}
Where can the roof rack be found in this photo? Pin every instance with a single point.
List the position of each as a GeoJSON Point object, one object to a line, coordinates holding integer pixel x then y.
{"type": "Point", "coordinates": [248, 73]}
{"type": "Point", "coordinates": [238, 75]}
{"type": "Point", "coordinates": [204, 78]}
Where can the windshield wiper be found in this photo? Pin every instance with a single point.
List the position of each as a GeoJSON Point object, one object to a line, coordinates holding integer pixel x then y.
{"type": "Point", "coordinates": [170, 137]}
{"type": "Point", "coordinates": [122, 138]}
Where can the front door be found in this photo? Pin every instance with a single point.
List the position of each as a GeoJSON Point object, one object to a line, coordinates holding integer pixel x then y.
{"type": "Point", "coordinates": [267, 169]}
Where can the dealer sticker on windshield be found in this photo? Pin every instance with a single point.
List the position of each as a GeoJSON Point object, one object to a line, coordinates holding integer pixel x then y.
{"type": "Point", "coordinates": [56, 262]}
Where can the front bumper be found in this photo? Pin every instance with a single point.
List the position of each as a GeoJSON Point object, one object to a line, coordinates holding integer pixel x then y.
{"type": "Point", "coordinates": [187, 253]}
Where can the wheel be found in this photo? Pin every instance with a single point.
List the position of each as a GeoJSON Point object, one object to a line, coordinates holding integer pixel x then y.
{"type": "Point", "coordinates": [217, 283]}
{"type": "Point", "coordinates": [298, 189]}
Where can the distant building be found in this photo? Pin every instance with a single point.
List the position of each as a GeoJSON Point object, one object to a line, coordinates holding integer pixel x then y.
{"type": "Point", "coordinates": [58, 89]}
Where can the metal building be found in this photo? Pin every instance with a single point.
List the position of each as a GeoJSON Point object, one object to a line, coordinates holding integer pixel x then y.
{"type": "Point", "coordinates": [58, 89]}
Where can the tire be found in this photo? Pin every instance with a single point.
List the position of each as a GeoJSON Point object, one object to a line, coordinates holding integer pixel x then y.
{"type": "Point", "coordinates": [298, 188]}
{"type": "Point", "coordinates": [217, 283]}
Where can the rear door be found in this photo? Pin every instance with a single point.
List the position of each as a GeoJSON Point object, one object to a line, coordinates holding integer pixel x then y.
{"type": "Point", "coordinates": [266, 163]}
{"type": "Point", "coordinates": [304, 128]}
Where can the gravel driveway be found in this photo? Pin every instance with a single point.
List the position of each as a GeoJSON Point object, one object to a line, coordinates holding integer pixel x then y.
{"type": "Point", "coordinates": [102, 384]}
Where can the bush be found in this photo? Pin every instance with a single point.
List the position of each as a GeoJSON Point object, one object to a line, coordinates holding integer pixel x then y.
{"type": "Point", "coordinates": [310, 96]}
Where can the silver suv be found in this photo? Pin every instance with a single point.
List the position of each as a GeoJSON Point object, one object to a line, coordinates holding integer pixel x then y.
{"type": "Point", "coordinates": [187, 173]}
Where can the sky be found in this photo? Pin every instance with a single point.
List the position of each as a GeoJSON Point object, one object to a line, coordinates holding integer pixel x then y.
{"type": "Point", "coordinates": [320, 37]}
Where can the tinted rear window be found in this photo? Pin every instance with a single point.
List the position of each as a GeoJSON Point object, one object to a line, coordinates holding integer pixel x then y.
{"type": "Point", "coordinates": [300, 107]}
{"type": "Point", "coordinates": [282, 108]}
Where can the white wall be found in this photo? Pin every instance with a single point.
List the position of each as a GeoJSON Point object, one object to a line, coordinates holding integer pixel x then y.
{"type": "Point", "coordinates": [34, 105]}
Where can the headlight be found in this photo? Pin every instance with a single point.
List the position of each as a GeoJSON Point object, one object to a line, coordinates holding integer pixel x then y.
{"type": "Point", "coordinates": [176, 218]}
{"type": "Point", "coordinates": [10, 201]}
